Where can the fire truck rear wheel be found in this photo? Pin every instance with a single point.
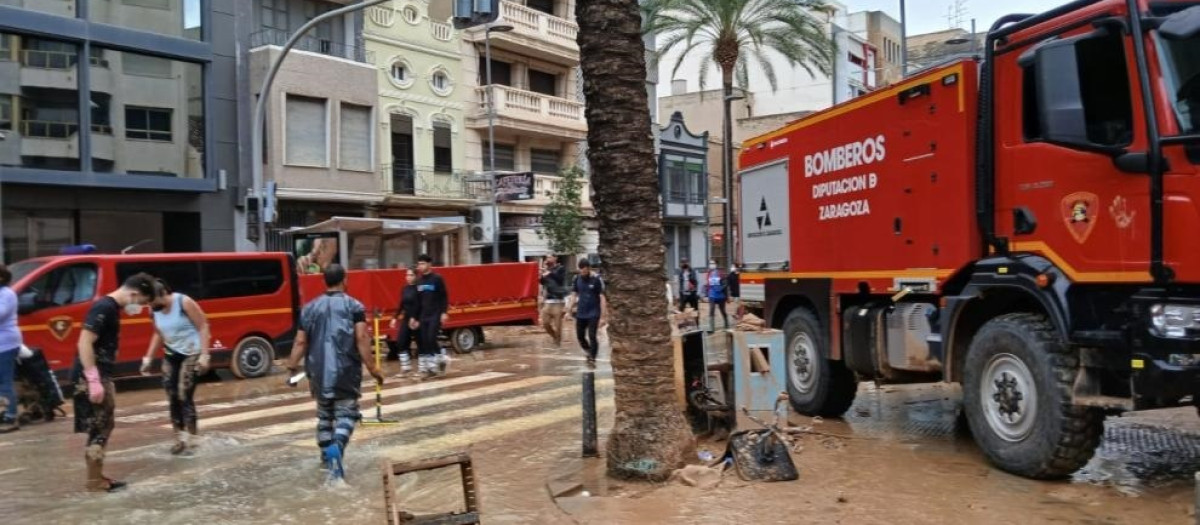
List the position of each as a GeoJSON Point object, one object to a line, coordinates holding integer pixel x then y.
{"type": "Point", "coordinates": [1017, 382]}
{"type": "Point", "coordinates": [253, 357]}
{"type": "Point", "coordinates": [816, 385]}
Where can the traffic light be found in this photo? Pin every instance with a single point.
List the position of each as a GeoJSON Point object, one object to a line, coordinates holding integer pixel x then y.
{"type": "Point", "coordinates": [471, 13]}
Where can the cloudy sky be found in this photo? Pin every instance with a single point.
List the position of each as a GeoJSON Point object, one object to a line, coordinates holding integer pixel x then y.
{"type": "Point", "coordinates": [925, 16]}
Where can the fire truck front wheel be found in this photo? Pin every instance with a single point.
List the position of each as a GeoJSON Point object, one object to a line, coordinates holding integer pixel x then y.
{"type": "Point", "coordinates": [816, 385]}
{"type": "Point", "coordinates": [1017, 397]}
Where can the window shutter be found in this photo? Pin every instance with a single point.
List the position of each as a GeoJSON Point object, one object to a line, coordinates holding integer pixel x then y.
{"type": "Point", "coordinates": [355, 138]}
{"type": "Point", "coordinates": [306, 131]}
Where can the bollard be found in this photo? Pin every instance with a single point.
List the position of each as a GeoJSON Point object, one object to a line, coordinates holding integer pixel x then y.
{"type": "Point", "coordinates": [1197, 509]}
{"type": "Point", "coordinates": [589, 415]}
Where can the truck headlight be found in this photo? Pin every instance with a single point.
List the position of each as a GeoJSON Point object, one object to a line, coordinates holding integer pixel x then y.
{"type": "Point", "coordinates": [1173, 320]}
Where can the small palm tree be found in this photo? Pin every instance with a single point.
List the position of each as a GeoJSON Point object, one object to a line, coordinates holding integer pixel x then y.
{"type": "Point", "coordinates": [733, 32]}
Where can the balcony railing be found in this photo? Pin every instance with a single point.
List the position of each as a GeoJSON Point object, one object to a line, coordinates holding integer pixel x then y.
{"type": "Point", "coordinates": [528, 105]}
{"type": "Point", "coordinates": [536, 24]}
{"type": "Point", "coordinates": [276, 37]}
{"type": "Point", "coordinates": [40, 59]}
{"type": "Point", "coordinates": [426, 182]}
{"type": "Point", "coordinates": [49, 129]}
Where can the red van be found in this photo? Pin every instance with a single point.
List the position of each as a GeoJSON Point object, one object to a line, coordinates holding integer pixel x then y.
{"type": "Point", "coordinates": [249, 299]}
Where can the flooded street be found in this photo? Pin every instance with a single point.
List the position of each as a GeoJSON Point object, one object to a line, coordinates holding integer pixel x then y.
{"type": "Point", "coordinates": [898, 457]}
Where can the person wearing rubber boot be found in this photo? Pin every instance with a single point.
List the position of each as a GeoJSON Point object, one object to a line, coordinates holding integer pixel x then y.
{"type": "Point", "coordinates": [92, 374]}
{"type": "Point", "coordinates": [180, 327]}
{"type": "Point", "coordinates": [334, 342]}
{"type": "Point", "coordinates": [406, 315]}
{"type": "Point", "coordinates": [590, 309]}
{"type": "Point", "coordinates": [433, 300]}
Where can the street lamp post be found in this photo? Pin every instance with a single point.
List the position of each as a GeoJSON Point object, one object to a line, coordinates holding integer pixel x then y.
{"type": "Point", "coordinates": [491, 112]}
{"type": "Point", "coordinates": [727, 178]}
{"type": "Point", "coordinates": [260, 109]}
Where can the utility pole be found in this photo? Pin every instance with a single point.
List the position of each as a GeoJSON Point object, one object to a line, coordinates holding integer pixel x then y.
{"type": "Point", "coordinates": [491, 111]}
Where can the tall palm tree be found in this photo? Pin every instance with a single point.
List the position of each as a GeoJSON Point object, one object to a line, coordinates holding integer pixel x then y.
{"type": "Point", "coordinates": [650, 437]}
{"type": "Point", "coordinates": [731, 33]}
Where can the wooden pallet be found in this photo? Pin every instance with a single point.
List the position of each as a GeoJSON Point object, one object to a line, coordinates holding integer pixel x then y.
{"type": "Point", "coordinates": [397, 516]}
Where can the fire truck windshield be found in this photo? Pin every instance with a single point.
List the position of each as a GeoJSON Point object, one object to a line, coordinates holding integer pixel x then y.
{"type": "Point", "coordinates": [1179, 51]}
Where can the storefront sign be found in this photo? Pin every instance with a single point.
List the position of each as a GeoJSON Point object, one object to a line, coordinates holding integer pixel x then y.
{"type": "Point", "coordinates": [521, 221]}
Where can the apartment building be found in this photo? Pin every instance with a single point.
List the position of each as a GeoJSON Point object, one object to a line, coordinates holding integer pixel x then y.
{"type": "Point", "coordinates": [321, 123]}
{"type": "Point", "coordinates": [117, 125]}
{"type": "Point", "coordinates": [537, 115]}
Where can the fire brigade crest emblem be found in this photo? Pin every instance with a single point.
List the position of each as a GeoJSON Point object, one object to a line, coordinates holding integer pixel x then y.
{"type": "Point", "coordinates": [60, 327]}
{"type": "Point", "coordinates": [1078, 211]}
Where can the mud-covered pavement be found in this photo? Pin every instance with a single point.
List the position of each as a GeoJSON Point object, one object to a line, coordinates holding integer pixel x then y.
{"type": "Point", "coordinates": [515, 406]}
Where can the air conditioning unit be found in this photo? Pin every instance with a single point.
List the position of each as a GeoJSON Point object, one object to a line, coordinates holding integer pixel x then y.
{"type": "Point", "coordinates": [483, 225]}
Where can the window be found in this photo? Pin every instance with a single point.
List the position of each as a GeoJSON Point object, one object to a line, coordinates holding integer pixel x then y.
{"type": "Point", "coordinates": [6, 108]}
{"type": "Point", "coordinates": [355, 139]}
{"type": "Point", "coordinates": [145, 65]}
{"type": "Point", "coordinates": [323, 33]}
{"type": "Point", "coordinates": [544, 161]}
{"type": "Point", "coordinates": [501, 72]}
{"type": "Point", "coordinates": [443, 154]}
{"type": "Point", "coordinates": [506, 157]}
{"type": "Point", "coordinates": [1031, 123]}
{"type": "Point", "coordinates": [30, 234]}
{"type": "Point", "coordinates": [1181, 61]}
{"type": "Point", "coordinates": [178, 18]}
{"type": "Point", "coordinates": [55, 7]}
{"type": "Point", "coordinates": [275, 15]}
{"type": "Point", "coordinates": [240, 278]}
{"type": "Point", "coordinates": [48, 54]}
{"type": "Point", "coordinates": [6, 47]}
{"type": "Point", "coordinates": [182, 276]}
{"type": "Point", "coordinates": [440, 82]}
{"type": "Point", "coordinates": [542, 82]}
{"type": "Point", "coordinates": [411, 15]}
{"type": "Point", "coordinates": [148, 123]}
{"type": "Point", "coordinates": [307, 128]}
{"type": "Point", "coordinates": [545, 6]}
{"type": "Point", "coordinates": [62, 286]}
{"type": "Point", "coordinates": [1104, 82]}
{"type": "Point", "coordinates": [676, 179]}
{"type": "Point", "coordinates": [695, 180]}
{"type": "Point", "coordinates": [400, 73]}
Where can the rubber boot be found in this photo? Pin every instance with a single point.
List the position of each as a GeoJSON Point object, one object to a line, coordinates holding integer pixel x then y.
{"type": "Point", "coordinates": [96, 482]}
{"type": "Point", "coordinates": [443, 361]}
{"type": "Point", "coordinates": [332, 455]}
{"type": "Point", "coordinates": [405, 362]}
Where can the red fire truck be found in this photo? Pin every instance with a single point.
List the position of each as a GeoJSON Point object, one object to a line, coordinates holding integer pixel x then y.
{"type": "Point", "coordinates": [1020, 223]}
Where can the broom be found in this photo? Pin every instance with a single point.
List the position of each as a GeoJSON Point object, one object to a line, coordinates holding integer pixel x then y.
{"type": "Point", "coordinates": [378, 420]}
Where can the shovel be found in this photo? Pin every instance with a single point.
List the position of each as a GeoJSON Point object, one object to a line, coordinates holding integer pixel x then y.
{"type": "Point", "coordinates": [378, 419]}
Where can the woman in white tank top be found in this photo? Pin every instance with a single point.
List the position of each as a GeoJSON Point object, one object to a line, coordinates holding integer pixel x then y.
{"type": "Point", "coordinates": [180, 327]}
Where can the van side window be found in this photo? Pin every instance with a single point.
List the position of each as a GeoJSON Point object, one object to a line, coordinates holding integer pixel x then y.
{"type": "Point", "coordinates": [1104, 81]}
{"type": "Point", "coordinates": [228, 279]}
{"type": "Point", "coordinates": [63, 286]}
{"type": "Point", "coordinates": [181, 276]}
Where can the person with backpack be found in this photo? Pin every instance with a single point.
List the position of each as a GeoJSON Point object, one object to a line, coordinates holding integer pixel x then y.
{"type": "Point", "coordinates": [715, 289]}
{"type": "Point", "coordinates": [181, 329]}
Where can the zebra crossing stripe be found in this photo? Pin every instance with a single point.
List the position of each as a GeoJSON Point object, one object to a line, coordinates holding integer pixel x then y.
{"type": "Point", "coordinates": [308, 424]}
{"type": "Point", "coordinates": [433, 420]}
{"type": "Point", "coordinates": [491, 431]}
{"type": "Point", "coordinates": [240, 417]}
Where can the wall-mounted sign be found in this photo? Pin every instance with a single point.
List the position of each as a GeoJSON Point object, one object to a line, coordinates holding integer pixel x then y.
{"type": "Point", "coordinates": [514, 186]}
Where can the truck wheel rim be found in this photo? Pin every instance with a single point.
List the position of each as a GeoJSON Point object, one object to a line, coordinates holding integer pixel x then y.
{"type": "Point", "coordinates": [804, 360]}
{"type": "Point", "coordinates": [1009, 397]}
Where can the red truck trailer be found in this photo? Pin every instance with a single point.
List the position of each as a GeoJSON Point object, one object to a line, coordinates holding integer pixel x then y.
{"type": "Point", "coordinates": [480, 295]}
{"type": "Point", "coordinates": [1021, 223]}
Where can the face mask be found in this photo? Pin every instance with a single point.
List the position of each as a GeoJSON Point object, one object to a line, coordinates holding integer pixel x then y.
{"type": "Point", "coordinates": [133, 309]}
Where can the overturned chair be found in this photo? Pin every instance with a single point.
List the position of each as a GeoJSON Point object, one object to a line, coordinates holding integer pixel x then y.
{"type": "Point", "coordinates": [397, 515]}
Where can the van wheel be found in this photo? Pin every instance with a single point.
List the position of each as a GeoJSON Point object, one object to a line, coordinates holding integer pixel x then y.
{"type": "Point", "coordinates": [466, 340]}
{"type": "Point", "coordinates": [1017, 383]}
{"type": "Point", "coordinates": [253, 357]}
{"type": "Point", "coordinates": [816, 386]}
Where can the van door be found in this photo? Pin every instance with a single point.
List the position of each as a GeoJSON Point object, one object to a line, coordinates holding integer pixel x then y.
{"type": "Point", "coordinates": [52, 310]}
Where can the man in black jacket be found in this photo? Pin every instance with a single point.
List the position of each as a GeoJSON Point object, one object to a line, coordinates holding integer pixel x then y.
{"type": "Point", "coordinates": [554, 294]}
{"type": "Point", "coordinates": [407, 313]}
{"type": "Point", "coordinates": [433, 302]}
{"type": "Point", "coordinates": [689, 291]}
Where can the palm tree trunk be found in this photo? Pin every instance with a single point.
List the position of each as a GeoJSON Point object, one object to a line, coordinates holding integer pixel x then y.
{"type": "Point", "coordinates": [650, 437]}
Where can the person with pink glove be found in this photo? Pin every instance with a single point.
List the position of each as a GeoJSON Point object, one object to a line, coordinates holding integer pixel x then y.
{"type": "Point", "coordinates": [95, 396]}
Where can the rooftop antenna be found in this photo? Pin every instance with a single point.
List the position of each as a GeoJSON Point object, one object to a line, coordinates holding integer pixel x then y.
{"type": "Point", "coordinates": [135, 245]}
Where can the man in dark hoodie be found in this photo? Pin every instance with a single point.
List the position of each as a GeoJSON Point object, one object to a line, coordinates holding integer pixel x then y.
{"type": "Point", "coordinates": [689, 290]}
{"type": "Point", "coordinates": [407, 313]}
{"type": "Point", "coordinates": [554, 294]}
{"type": "Point", "coordinates": [434, 301]}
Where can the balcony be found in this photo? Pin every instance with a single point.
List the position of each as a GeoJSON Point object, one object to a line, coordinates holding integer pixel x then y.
{"type": "Point", "coordinates": [278, 38]}
{"type": "Point", "coordinates": [535, 34]}
{"type": "Point", "coordinates": [545, 186]}
{"type": "Point", "coordinates": [530, 113]}
{"type": "Point", "coordinates": [426, 182]}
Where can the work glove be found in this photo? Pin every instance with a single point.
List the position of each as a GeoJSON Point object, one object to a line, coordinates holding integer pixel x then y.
{"type": "Point", "coordinates": [94, 387]}
{"type": "Point", "coordinates": [202, 363]}
{"type": "Point", "coordinates": [145, 369]}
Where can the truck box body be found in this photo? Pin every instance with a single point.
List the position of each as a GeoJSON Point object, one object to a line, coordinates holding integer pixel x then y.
{"type": "Point", "coordinates": [880, 187]}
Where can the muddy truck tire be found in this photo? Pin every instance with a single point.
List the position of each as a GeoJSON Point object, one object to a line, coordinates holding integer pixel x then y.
{"type": "Point", "coordinates": [816, 385]}
{"type": "Point", "coordinates": [1017, 397]}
